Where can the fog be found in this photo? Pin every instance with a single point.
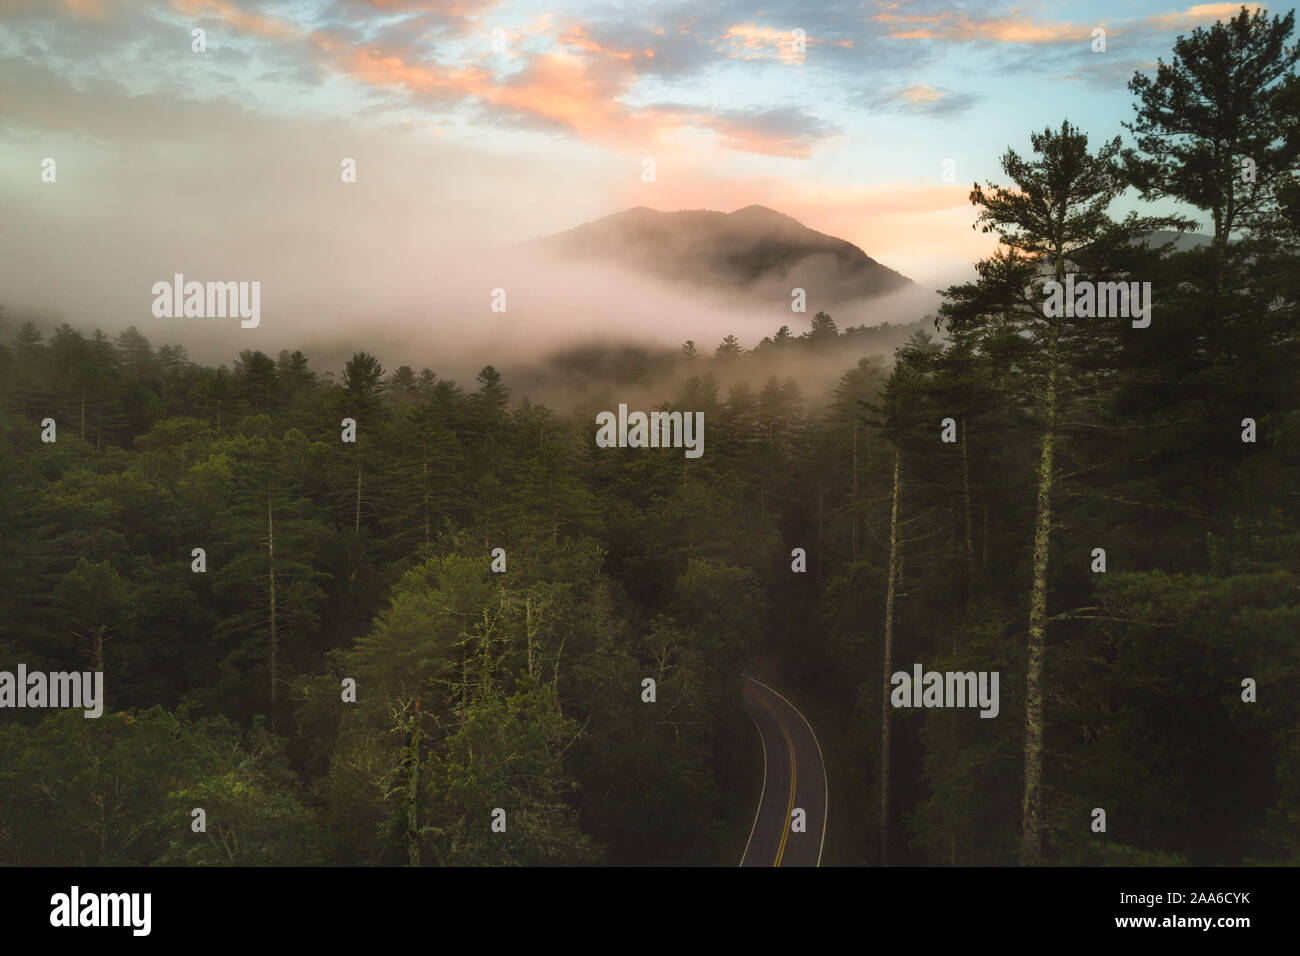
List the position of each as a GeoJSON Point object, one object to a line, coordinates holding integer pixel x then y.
{"type": "Point", "coordinates": [402, 263]}
{"type": "Point", "coordinates": [443, 318]}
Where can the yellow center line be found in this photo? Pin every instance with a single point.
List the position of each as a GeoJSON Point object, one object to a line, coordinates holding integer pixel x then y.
{"type": "Point", "coordinates": [821, 759]}
{"type": "Point", "coordinates": [789, 809]}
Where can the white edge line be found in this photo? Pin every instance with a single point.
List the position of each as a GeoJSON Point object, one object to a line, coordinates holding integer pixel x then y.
{"type": "Point", "coordinates": [763, 746]}
{"type": "Point", "coordinates": [825, 781]}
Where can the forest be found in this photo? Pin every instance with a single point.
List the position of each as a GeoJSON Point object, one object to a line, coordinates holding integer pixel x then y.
{"type": "Point", "coordinates": [351, 652]}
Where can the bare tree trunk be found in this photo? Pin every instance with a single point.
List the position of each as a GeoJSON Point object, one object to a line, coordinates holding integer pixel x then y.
{"type": "Point", "coordinates": [885, 709]}
{"type": "Point", "coordinates": [413, 790]}
{"type": "Point", "coordinates": [970, 544]}
{"type": "Point", "coordinates": [866, 532]}
{"type": "Point", "coordinates": [1032, 810]}
{"type": "Point", "coordinates": [528, 632]}
{"type": "Point", "coordinates": [970, 590]}
{"type": "Point", "coordinates": [356, 525]}
{"type": "Point", "coordinates": [819, 530]}
{"type": "Point", "coordinates": [275, 634]}
{"type": "Point", "coordinates": [984, 552]}
{"type": "Point", "coordinates": [853, 505]}
{"type": "Point", "coordinates": [425, 485]}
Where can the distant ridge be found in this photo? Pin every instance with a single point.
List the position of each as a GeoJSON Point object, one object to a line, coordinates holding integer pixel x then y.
{"type": "Point", "coordinates": [1183, 242]}
{"type": "Point", "coordinates": [752, 250]}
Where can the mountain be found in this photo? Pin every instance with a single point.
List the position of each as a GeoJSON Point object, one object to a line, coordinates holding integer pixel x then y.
{"type": "Point", "coordinates": [1183, 242]}
{"type": "Point", "coordinates": [754, 250]}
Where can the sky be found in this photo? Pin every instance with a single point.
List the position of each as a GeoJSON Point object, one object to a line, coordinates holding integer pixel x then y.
{"type": "Point", "coordinates": [476, 124]}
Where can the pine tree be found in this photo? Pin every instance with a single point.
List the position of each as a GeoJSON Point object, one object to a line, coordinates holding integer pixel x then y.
{"type": "Point", "coordinates": [267, 549]}
{"type": "Point", "coordinates": [1053, 219]}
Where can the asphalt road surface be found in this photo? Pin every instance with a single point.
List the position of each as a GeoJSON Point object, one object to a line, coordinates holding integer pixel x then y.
{"type": "Point", "coordinates": [794, 778]}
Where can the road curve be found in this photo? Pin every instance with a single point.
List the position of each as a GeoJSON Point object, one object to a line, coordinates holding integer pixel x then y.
{"type": "Point", "coordinates": [794, 778]}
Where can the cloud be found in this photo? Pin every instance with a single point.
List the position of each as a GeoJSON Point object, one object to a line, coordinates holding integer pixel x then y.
{"type": "Point", "coordinates": [961, 26]}
{"type": "Point", "coordinates": [787, 131]}
{"type": "Point", "coordinates": [748, 41]}
{"type": "Point", "coordinates": [583, 95]}
{"type": "Point", "coordinates": [449, 8]}
{"type": "Point", "coordinates": [578, 37]}
{"type": "Point", "coordinates": [229, 13]}
{"type": "Point", "coordinates": [965, 27]}
{"type": "Point", "coordinates": [573, 94]}
{"type": "Point", "coordinates": [93, 9]}
{"type": "Point", "coordinates": [782, 131]}
{"type": "Point", "coordinates": [1106, 74]}
{"type": "Point", "coordinates": [377, 67]}
{"type": "Point", "coordinates": [601, 82]}
{"type": "Point", "coordinates": [923, 99]}
{"type": "Point", "coordinates": [1198, 15]}
{"type": "Point", "coordinates": [708, 91]}
{"type": "Point", "coordinates": [37, 97]}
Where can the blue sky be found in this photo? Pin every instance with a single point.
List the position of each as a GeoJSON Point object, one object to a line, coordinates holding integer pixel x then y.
{"type": "Point", "coordinates": [231, 156]}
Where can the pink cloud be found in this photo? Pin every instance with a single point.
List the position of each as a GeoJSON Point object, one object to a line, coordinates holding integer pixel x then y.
{"type": "Point", "coordinates": [271, 27]}
{"type": "Point", "coordinates": [961, 26]}
{"type": "Point", "coordinates": [747, 41]}
{"type": "Point", "coordinates": [927, 226]}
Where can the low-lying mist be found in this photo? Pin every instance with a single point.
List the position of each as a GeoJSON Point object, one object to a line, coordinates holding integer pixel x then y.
{"type": "Point", "coordinates": [567, 326]}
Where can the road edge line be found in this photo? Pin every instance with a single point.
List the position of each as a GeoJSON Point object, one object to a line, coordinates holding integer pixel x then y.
{"type": "Point", "coordinates": [762, 741]}
{"type": "Point", "coordinates": [826, 805]}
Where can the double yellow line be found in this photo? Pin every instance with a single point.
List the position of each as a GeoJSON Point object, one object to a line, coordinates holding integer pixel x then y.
{"type": "Point", "coordinates": [794, 779]}
{"type": "Point", "coordinates": [794, 783]}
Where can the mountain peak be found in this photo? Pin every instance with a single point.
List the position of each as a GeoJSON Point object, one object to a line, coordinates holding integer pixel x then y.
{"type": "Point", "coordinates": [755, 211]}
{"type": "Point", "coordinates": [753, 250]}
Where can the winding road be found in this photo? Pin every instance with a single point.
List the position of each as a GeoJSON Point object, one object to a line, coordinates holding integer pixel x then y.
{"type": "Point", "coordinates": [794, 778]}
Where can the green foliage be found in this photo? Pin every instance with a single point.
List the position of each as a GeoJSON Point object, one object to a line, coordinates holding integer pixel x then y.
{"type": "Point", "coordinates": [118, 791]}
{"type": "Point", "coordinates": [371, 562]}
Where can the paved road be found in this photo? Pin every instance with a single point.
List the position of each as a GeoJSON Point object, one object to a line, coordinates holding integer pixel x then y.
{"type": "Point", "coordinates": [793, 778]}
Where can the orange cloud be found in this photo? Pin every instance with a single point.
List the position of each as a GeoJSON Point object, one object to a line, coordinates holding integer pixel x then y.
{"type": "Point", "coordinates": [580, 92]}
{"type": "Point", "coordinates": [272, 27]}
{"type": "Point", "coordinates": [90, 9]}
{"type": "Point", "coordinates": [578, 87]}
{"type": "Point", "coordinates": [577, 37]}
{"type": "Point", "coordinates": [379, 69]}
{"type": "Point", "coordinates": [960, 26]}
{"type": "Point", "coordinates": [1194, 16]}
{"type": "Point", "coordinates": [921, 94]}
{"type": "Point", "coordinates": [746, 139]}
{"type": "Point", "coordinates": [747, 41]}
{"type": "Point", "coordinates": [561, 88]}
{"type": "Point", "coordinates": [452, 8]}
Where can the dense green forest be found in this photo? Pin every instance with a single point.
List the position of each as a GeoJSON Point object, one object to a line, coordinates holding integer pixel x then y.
{"type": "Point", "coordinates": [951, 498]}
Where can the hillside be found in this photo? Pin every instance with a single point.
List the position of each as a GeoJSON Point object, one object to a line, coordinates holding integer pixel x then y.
{"type": "Point", "coordinates": [754, 250]}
